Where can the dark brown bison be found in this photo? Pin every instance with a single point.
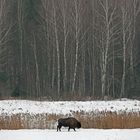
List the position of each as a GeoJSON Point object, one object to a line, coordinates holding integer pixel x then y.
{"type": "Point", "coordinates": [70, 122]}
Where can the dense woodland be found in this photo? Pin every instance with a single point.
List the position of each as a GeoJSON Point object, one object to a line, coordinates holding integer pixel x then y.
{"type": "Point", "coordinates": [69, 49]}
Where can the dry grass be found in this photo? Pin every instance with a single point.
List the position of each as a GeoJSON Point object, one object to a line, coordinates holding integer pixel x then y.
{"type": "Point", "coordinates": [11, 122]}
{"type": "Point", "coordinates": [104, 120]}
{"type": "Point", "coordinates": [109, 120]}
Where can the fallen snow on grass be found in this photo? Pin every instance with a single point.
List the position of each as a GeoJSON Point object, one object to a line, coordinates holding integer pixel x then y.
{"type": "Point", "coordinates": [82, 134]}
{"type": "Point", "coordinates": [66, 107]}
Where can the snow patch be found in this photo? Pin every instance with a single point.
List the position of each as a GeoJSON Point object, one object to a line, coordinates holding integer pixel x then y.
{"type": "Point", "coordinates": [10, 107]}
{"type": "Point", "coordinates": [82, 134]}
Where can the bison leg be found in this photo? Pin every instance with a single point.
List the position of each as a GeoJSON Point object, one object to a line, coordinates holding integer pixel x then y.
{"type": "Point", "coordinates": [69, 129]}
{"type": "Point", "coordinates": [59, 127]}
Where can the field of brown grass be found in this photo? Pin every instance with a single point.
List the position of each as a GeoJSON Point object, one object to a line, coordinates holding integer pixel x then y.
{"type": "Point", "coordinates": [101, 120]}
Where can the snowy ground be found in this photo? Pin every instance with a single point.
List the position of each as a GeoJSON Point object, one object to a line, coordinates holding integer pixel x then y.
{"type": "Point", "coordinates": [82, 134]}
{"type": "Point", "coordinates": [34, 107]}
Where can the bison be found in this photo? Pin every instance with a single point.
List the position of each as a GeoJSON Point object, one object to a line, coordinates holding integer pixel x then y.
{"type": "Point", "coordinates": [70, 122]}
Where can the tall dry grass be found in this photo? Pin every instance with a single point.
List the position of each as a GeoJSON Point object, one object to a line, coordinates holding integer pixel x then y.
{"type": "Point", "coordinates": [109, 120]}
{"type": "Point", "coordinates": [103, 120]}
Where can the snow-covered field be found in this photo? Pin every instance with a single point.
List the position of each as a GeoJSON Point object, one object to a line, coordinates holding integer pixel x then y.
{"type": "Point", "coordinates": [10, 107]}
{"type": "Point", "coordinates": [82, 134]}
{"type": "Point", "coordinates": [37, 107]}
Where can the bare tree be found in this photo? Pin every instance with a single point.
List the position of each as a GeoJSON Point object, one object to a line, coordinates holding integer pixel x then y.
{"type": "Point", "coordinates": [64, 11]}
{"type": "Point", "coordinates": [77, 12]}
{"type": "Point", "coordinates": [37, 67]}
{"type": "Point", "coordinates": [57, 47]}
{"type": "Point", "coordinates": [126, 35]}
{"type": "Point", "coordinates": [20, 24]}
{"type": "Point", "coordinates": [107, 14]}
{"type": "Point", "coordinates": [135, 10]}
{"type": "Point", "coordinates": [69, 48]}
{"type": "Point", "coordinates": [5, 37]}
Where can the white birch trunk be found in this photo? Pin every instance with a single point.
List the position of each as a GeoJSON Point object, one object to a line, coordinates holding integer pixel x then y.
{"type": "Point", "coordinates": [57, 49]}
{"type": "Point", "coordinates": [64, 16]}
{"type": "Point", "coordinates": [37, 67]}
{"type": "Point", "coordinates": [107, 34]}
{"type": "Point", "coordinates": [20, 22]}
{"type": "Point", "coordinates": [124, 41]}
{"type": "Point", "coordinates": [77, 45]}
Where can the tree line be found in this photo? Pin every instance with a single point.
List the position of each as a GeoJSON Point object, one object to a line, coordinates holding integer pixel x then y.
{"type": "Point", "coordinates": [69, 49]}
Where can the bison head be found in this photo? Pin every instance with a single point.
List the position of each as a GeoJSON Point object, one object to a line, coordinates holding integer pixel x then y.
{"type": "Point", "coordinates": [78, 125]}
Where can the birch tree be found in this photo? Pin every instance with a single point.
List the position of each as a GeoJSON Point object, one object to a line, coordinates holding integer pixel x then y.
{"type": "Point", "coordinates": [126, 35]}
{"type": "Point", "coordinates": [135, 10]}
{"type": "Point", "coordinates": [108, 30]}
{"type": "Point", "coordinates": [57, 46]}
{"type": "Point", "coordinates": [5, 28]}
{"type": "Point", "coordinates": [79, 34]}
{"type": "Point", "coordinates": [76, 21]}
{"type": "Point", "coordinates": [50, 33]}
{"type": "Point", "coordinates": [20, 24]}
{"type": "Point", "coordinates": [5, 37]}
{"type": "Point", "coordinates": [37, 79]}
{"type": "Point", "coordinates": [64, 11]}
